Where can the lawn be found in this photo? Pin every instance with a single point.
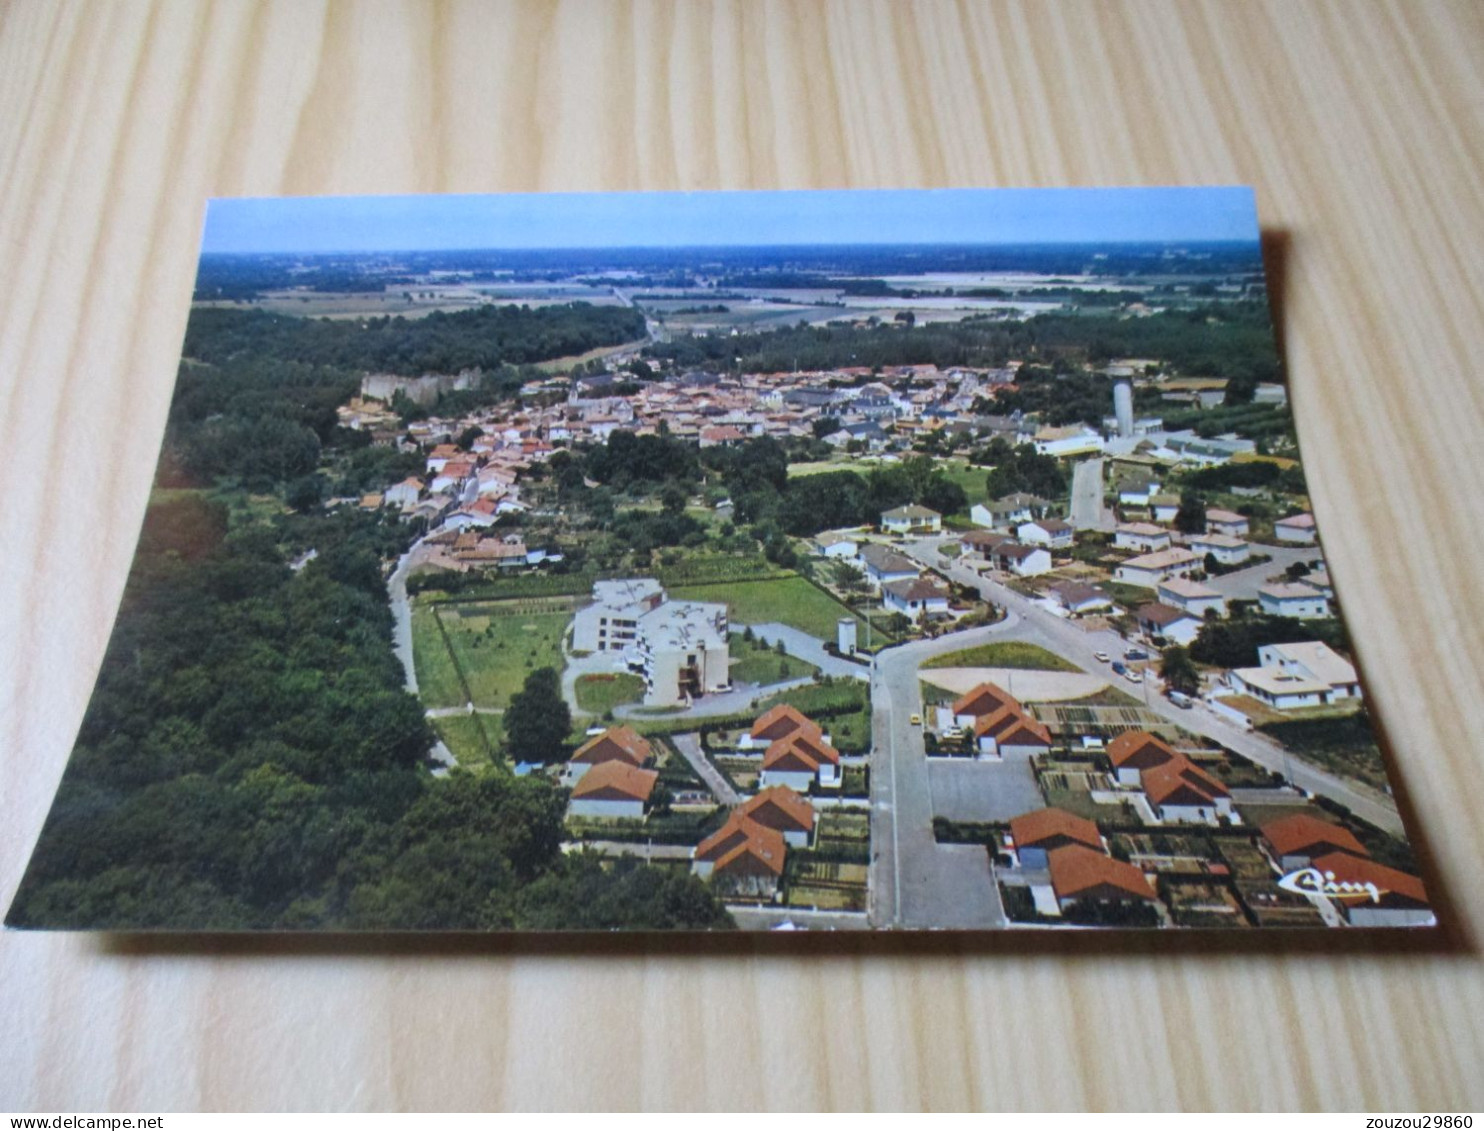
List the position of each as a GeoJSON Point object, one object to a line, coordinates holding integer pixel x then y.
{"type": "Point", "coordinates": [1005, 654]}
{"type": "Point", "coordinates": [971, 479]}
{"type": "Point", "coordinates": [437, 679]}
{"type": "Point", "coordinates": [492, 645]}
{"type": "Point", "coordinates": [785, 600]}
{"type": "Point", "coordinates": [599, 694]}
{"type": "Point", "coordinates": [759, 664]}
{"type": "Point", "coordinates": [474, 739]}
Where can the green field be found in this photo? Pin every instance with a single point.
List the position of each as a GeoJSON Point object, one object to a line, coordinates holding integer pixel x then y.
{"type": "Point", "coordinates": [785, 600]}
{"type": "Point", "coordinates": [1005, 654]}
{"type": "Point", "coordinates": [971, 479]}
{"type": "Point", "coordinates": [493, 645]}
{"type": "Point", "coordinates": [437, 679]}
{"type": "Point", "coordinates": [599, 694]}
{"type": "Point", "coordinates": [472, 738]}
{"type": "Point", "coordinates": [757, 663]}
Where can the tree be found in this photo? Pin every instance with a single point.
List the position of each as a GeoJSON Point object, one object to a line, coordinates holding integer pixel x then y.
{"type": "Point", "coordinates": [469, 435]}
{"type": "Point", "coordinates": [826, 426]}
{"type": "Point", "coordinates": [538, 719]}
{"type": "Point", "coordinates": [944, 495]}
{"type": "Point", "coordinates": [1179, 671]}
{"type": "Point", "coordinates": [849, 578]}
{"type": "Point", "coordinates": [1191, 517]}
{"type": "Point", "coordinates": [304, 493]}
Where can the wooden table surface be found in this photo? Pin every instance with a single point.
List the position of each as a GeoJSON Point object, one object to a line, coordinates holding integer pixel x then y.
{"type": "Point", "coordinates": [1358, 122]}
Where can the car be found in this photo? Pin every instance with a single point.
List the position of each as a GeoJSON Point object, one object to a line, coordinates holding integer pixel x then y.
{"type": "Point", "coordinates": [1136, 654]}
{"type": "Point", "coordinates": [1119, 667]}
{"type": "Point", "coordinates": [1180, 699]}
{"type": "Point", "coordinates": [916, 720]}
{"type": "Point", "coordinates": [1101, 657]}
{"type": "Point", "coordinates": [1133, 676]}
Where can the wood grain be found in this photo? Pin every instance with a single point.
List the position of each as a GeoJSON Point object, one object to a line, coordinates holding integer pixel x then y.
{"type": "Point", "coordinates": [1360, 125]}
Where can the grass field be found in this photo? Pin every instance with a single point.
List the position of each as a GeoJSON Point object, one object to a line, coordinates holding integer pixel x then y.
{"type": "Point", "coordinates": [472, 738]}
{"type": "Point", "coordinates": [1005, 654]}
{"type": "Point", "coordinates": [757, 663]}
{"type": "Point", "coordinates": [437, 679]}
{"type": "Point", "coordinates": [599, 694]}
{"type": "Point", "coordinates": [494, 645]}
{"type": "Point", "coordinates": [786, 600]}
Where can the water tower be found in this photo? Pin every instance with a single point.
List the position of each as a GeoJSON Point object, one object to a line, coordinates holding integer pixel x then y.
{"type": "Point", "coordinates": [1123, 407]}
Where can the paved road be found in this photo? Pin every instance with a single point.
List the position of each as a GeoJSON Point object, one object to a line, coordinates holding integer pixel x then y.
{"type": "Point", "coordinates": [752, 918]}
{"type": "Point", "coordinates": [452, 712]}
{"type": "Point", "coordinates": [738, 701]}
{"type": "Point", "coordinates": [1036, 625]}
{"type": "Point", "coordinates": [598, 663]}
{"type": "Point", "coordinates": [689, 746]}
{"type": "Point", "coordinates": [809, 649]}
{"type": "Point", "coordinates": [1243, 584]}
{"type": "Point", "coordinates": [1086, 511]}
{"type": "Point", "coordinates": [396, 588]}
{"type": "Point", "coordinates": [641, 849]}
{"type": "Point", "coordinates": [916, 882]}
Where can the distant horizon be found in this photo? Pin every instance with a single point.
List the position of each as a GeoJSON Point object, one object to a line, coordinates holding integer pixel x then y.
{"type": "Point", "coordinates": [578, 222]}
{"type": "Point", "coordinates": [722, 248]}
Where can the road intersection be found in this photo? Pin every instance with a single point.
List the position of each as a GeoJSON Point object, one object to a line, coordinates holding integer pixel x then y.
{"type": "Point", "coordinates": [916, 882]}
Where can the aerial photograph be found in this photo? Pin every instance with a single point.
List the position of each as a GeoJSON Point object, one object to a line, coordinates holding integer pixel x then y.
{"type": "Point", "coordinates": [796, 561]}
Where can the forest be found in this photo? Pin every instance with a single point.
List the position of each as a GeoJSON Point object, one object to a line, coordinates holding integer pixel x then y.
{"type": "Point", "coordinates": [1233, 340]}
{"type": "Point", "coordinates": [485, 337]}
{"type": "Point", "coordinates": [249, 758]}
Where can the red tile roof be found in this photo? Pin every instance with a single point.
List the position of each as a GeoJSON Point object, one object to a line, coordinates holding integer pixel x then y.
{"type": "Point", "coordinates": [779, 808]}
{"type": "Point", "coordinates": [1395, 887]}
{"type": "Point", "coordinates": [1305, 835]}
{"type": "Point", "coordinates": [615, 743]}
{"type": "Point", "coordinates": [780, 721]}
{"type": "Point", "coordinates": [742, 846]}
{"type": "Point", "coordinates": [1139, 750]}
{"type": "Point", "coordinates": [1032, 829]}
{"type": "Point", "coordinates": [983, 700]}
{"type": "Point", "coordinates": [615, 781]}
{"type": "Point", "coordinates": [800, 751]}
{"type": "Point", "coordinates": [1181, 782]}
{"type": "Point", "coordinates": [1078, 871]}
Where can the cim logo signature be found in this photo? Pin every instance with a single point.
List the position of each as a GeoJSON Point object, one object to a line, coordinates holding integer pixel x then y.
{"type": "Point", "coordinates": [1311, 881]}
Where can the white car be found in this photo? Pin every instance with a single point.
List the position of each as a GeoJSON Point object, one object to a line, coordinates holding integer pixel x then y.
{"type": "Point", "coordinates": [1101, 657]}
{"type": "Point", "coordinates": [1133, 676]}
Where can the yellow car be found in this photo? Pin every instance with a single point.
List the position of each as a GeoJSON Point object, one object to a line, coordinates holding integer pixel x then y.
{"type": "Point", "coordinates": [917, 720]}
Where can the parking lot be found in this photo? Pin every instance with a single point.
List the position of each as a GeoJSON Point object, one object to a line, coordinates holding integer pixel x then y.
{"type": "Point", "coordinates": [965, 790]}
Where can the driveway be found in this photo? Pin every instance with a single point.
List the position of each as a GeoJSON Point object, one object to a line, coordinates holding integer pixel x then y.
{"type": "Point", "coordinates": [1086, 511]}
{"type": "Point", "coordinates": [1243, 584]}
{"type": "Point", "coordinates": [689, 746]}
{"type": "Point", "coordinates": [806, 647]}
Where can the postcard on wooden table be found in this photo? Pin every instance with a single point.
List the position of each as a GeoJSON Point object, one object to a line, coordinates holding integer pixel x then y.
{"type": "Point", "coordinates": [775, 561]}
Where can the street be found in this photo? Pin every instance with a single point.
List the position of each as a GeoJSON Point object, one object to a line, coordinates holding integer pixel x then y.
{"type": "Point", "coordinates": [916, 882]}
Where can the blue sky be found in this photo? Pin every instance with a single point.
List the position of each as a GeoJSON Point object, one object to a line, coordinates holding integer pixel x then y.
{"type": "Point", "coordinates": [728, 219]}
